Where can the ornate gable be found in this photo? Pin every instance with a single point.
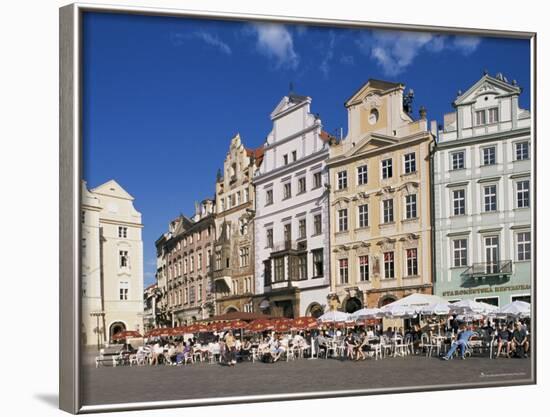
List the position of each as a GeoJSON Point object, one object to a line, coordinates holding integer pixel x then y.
{"type": "Point", "coordinates": [369, 143]}
{"type": "Point", "coordinates": [486, 85]}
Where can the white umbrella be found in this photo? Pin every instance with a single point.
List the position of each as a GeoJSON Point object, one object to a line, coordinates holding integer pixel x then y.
{"type": "Point", "coordinates": [392, 310]}
{"type": "Point", "coordinates": [367, 313]}
{"type": "Point", "coordinates": [436, 309]}
{"type": "Point", "coordinates": [334, 316]}
{"type": "Point", "coordinates": [517, 308]}
{"type": "Point", "coordinates": [469, 307]}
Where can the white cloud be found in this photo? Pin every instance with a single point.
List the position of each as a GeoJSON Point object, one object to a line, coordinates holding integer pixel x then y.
{"type": "Point", "coordinates": [347, 60]}
{"type": "Point", "coordinates": [466, 44]}
{"type": "Point", "coordinates": [395, 51]}
{"type": "Point", "coordinates": [329, 54]}
{"type": "Point", "coordinates": [179, 39]}
{"type": "Point", "coordinates": [275, 41]}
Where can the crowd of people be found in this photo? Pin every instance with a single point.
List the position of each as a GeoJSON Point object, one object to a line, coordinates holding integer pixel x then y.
{"type": "Point", "coordinates": [230, 347]}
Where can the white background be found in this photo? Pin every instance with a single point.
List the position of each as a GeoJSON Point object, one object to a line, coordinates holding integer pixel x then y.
{"type": "Point", "coordinates": [29, 208]}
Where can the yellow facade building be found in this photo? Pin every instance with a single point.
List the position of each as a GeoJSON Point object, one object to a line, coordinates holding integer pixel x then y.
{"type": "Point", "coordinates": [380, 201]}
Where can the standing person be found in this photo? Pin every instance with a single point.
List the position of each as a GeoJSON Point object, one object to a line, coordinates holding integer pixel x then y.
{"type": "Point", "coordinates": [453, 324]}
{"type": "Point", "coordinates": [461, 343]}
{"type": "Point", "coordinates": [230, 348]}
{"type": "Point", "coordinates": [350, 346]}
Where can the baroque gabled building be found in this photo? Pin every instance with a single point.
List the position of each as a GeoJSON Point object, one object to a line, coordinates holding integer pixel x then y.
{"type": "Point", "coordinates": [233, 263]}
{"type": "Point", "coordinates": [380, 201]}
{"type": "Point", "coordinates": [291, 222]}
{"type": "Point", "coordinates": [187, 251]}
{"type": "Point", "coordinates": [112, 263]}
{"type": "Point", "coordinates": [482, 196]}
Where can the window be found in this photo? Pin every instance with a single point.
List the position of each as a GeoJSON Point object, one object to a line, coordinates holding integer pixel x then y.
{"type": "Point", "coordinates": [317, 226]}
{"type": "Point", "coordinates": [343, 271]}
{"type": "Point", "coordinates": [493, 115]}
{"type": "Point", "coordinates": [199, 261]}
{"type": "Point", "coordinates": [302, 228]}
{"type": "Point", "coordinates": [524, 246]}
{"type": "Point", "coordinates": [83, 216]}
{"type": "Point", "coordinates": [363, 214]}
{"type": "Point", "coordinates": [122, 232]}
{"type": "Point", "coordinates": [223, 203]}
{"type": "Point", "coordinates": [199, 293]}
{"type": "Point", "coordinates": [480, 117]}
{"type": "Point", "coordinates": [459, 202]}
{"type": "Point", "coordinates": [217, 262]}
{"type": "Point", "coordinates": [389, 265]}
{"type": "Point", "coordinates": [267, 273]}
{"type": "Point", "coordinates": [317, 180]}
{"type": "Point", "coordinates": [192, 268]}
{"type": "Point", "coordinates": [192, 294]}
{"type": "Point", "coordinates": [342, 180]}
{"type": "Point", "coordinates": [490, 198]}
{"type": "Point", "coordinates": [285, 159]}
{"type": "Point", "coordinates": [410, 163]}
{"type": "Point", "coordinates": [489, 156]}
{"type": "Point", "coordinates": [460, 252]}
{"type": "Point", "coordinates": [268, 197]}
{"type": "Point", "coordinates": [301, 185]}
{"type": "Point", "coordinates": [294, 156]}
{"type": "Point", "coordinates": [412, 262]}
{"type": "Point", "coordinates": [246, 194]}
{"type": "Point", "coordinates": [522, 194]}
{"type": "Point", "coordinates": [287, 233]}
{"type": "Point", "coordinates": [185, 265]}
{"type": "Point", "coordinates": [299, 266]}
{"type": "Point", "coordinates": [123, 289]}
{"type": "Point", "coordinates": [363, 268]}
{"type": "Point", "coordinates": [208, 258]}
{"type": "Point", "coordinates": [269, 238]}
{"type": "Point", "coordinates": [342, 220]}
{"type": "Point", "coordinates": [287, 191]}
{"type": "Point", "coordinates": [317, 262]}
{"type": "Point", "coordinates": [388, 210]}
{"type": "Point", "coordinates": [238, 197]}
{"type": "Point", "coordinates": [244, 254]}
{"type": "Point", "coordinates": [362, 175]}
{"type": "Point", "coordinates": [410, 206]}
{"type": "Point", "coordinates": [522, 151]}
{"type": "Point", "coordinates": [123, 258]}
{"type": "Point", "coordinates": [457, 159]}
{"type": "Point", "coordinates": [234, 286]}
{"type": "Point", "coordinates": [387, 168]}
{"type": "Point", "coordinates": [279, 269]}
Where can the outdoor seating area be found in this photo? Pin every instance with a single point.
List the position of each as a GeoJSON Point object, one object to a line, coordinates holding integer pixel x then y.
{"type": "Point", "coordinates": [430, 327]}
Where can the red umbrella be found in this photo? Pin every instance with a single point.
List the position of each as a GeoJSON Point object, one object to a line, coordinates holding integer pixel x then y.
{"type": "Point", "coordinates": [282, 326]}
{"type": "Point", "coordinates": [260, 325]}
{"type": "Point", "coordinates": [160, 331]}
{"type": "Point", "coordinates": [126, 334]}
{"type": "Point", "coordinates": [238, 324]}
{"type": "Point", "coordinates": [304, 323]}
{"type": "Point", "coordinates": [197, 328]}
{"type": "Point", "coordinates": [281, 320]}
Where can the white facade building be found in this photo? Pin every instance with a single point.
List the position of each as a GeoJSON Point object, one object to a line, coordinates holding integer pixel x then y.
{"type": "Point", "coordinates": [112, 263]}
{"type": "Point", "coordinates": [482, 196]}
{"type": "Point", "coordinates": [291, 222]}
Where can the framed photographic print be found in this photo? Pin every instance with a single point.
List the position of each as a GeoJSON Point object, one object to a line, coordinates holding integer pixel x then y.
{"type": "Point", "coordinates": [257, 208]}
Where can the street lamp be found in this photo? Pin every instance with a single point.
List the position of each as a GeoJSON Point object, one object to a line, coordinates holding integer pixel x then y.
{"type": "Point", "coordinates": [98, 330]}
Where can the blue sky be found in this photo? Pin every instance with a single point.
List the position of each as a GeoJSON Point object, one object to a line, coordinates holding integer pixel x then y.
{"type": "Point", "coordinates": [163, 96]}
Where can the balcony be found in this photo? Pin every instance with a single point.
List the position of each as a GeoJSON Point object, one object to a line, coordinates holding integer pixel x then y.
{"type": "Point", "coordinates": [487, 273]}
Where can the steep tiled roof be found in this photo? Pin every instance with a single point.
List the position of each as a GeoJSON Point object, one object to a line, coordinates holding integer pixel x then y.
{"type": "Point", "coordinates": [325, 136]}
{"type": "Point", "coordinates": [257, 154]}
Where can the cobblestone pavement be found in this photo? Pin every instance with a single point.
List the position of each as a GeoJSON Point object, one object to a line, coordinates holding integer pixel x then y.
{"type": "Point", "coordinates": [107, 385]}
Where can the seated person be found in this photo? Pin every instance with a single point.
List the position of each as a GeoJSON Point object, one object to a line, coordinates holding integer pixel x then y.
{"type": "Point", "coordinates": [276, 349]}
{"type": "Point", "coordinates": [362, 347]}
{"type": "Point", "coordinates": [350, 344]}
{"type": "Point", "coordinates": [461, 343]}
{"type": "Point", "coordinates": [520, 344]}
{"type": "Point", "coordinates": [504, 338]}
{"type": "Point", "coordinates": [246, 347]}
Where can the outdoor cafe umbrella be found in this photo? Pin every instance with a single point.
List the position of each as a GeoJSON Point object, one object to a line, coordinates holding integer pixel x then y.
{"type": "Point", "coordinates": [237, 324]}
{"type": "Point", "coordinates": [159, 332]}
{"type": "Point", "coordinates": [197, 328]}
{"type": "Point", "coordinates": [304, 323]}
{"type": "Point", "coordinates": [398, 311]}
{"type": "Point", "coordinates": [436, 309]}
{"type": "Point", "coordinates": [472, 308]}
{"type": "Point", "coordinates": [414, 303]}
{"type": "Point", "coordinates": [282, 326]}
{"type": "Point", "coordinates": [367, 313]}
{"type": "Point", "coordinates": [516, 309]}
{"type": "Point", "coordinates": [260, 325]}
{"type": "Point", "coordinates": [126, 334]}
{"type": "Point", "coordinates": [334, 317]}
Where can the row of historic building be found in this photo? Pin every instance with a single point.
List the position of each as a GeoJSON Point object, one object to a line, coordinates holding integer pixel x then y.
{"type": "Point", "coordinates": [309, 222]}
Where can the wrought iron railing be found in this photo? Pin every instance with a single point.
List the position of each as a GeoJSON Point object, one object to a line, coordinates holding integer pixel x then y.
{"type": "Point", "coordinates": [487, 269]}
